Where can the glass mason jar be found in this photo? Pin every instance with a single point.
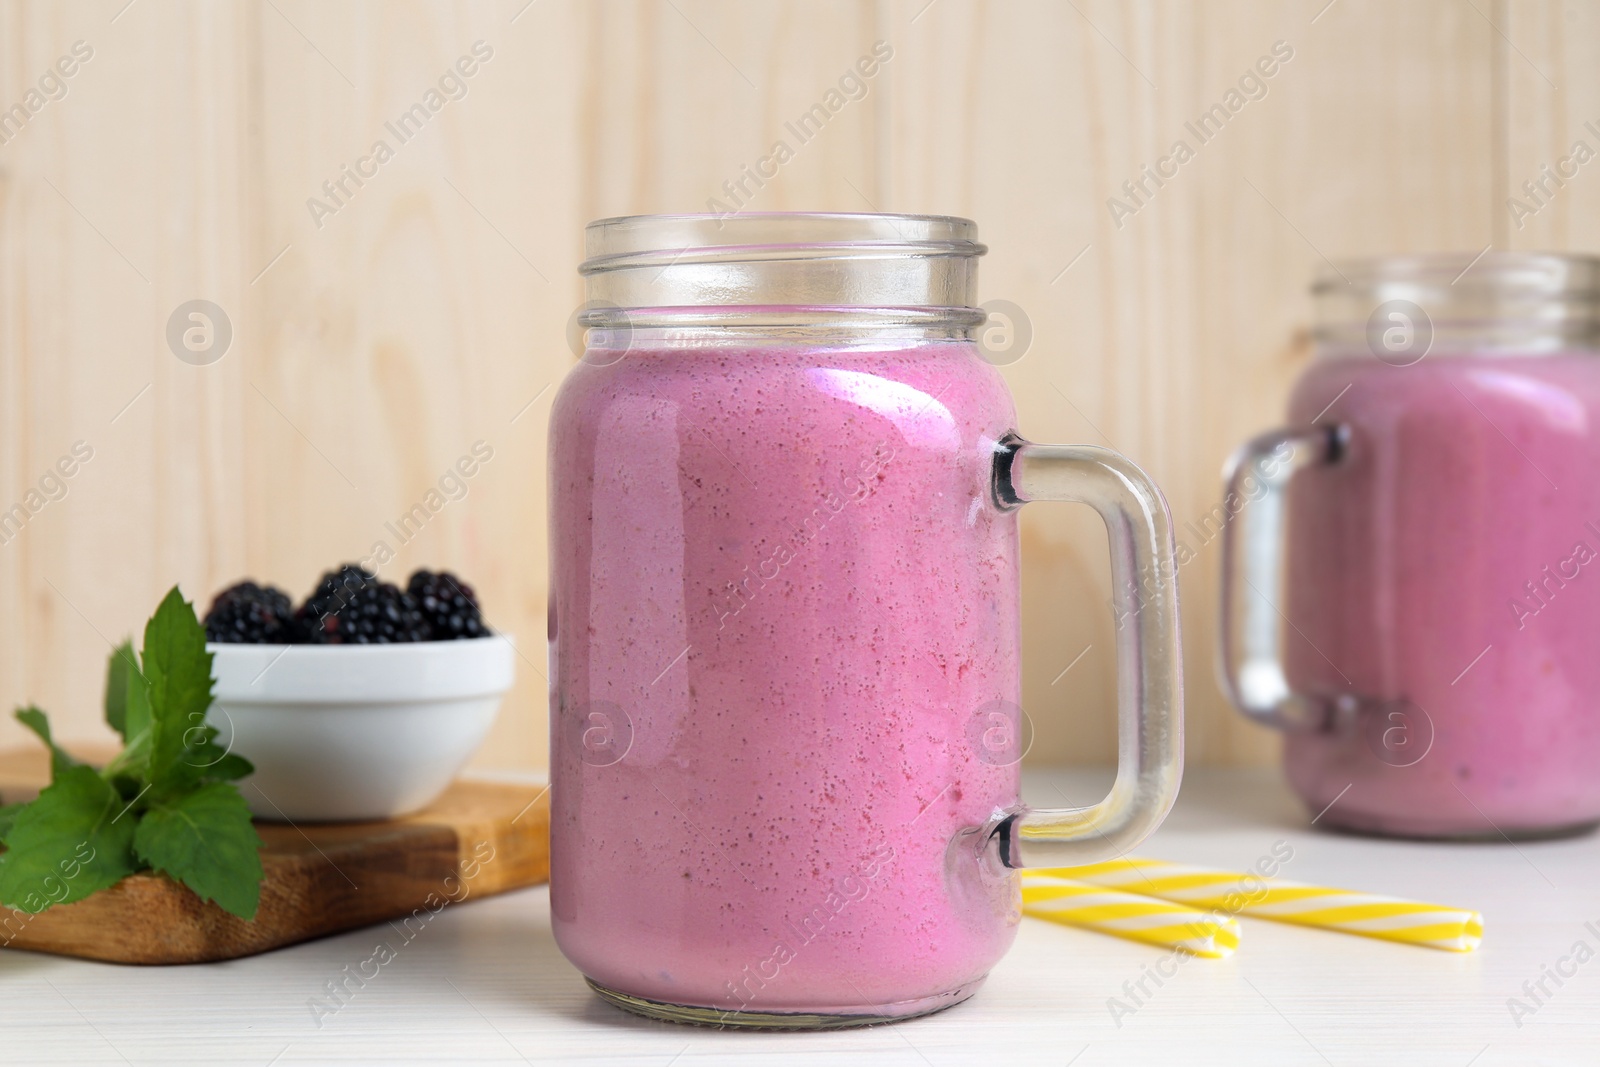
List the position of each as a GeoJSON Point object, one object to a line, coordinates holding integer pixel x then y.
{"type": "Point", "coordinates": [784, 625]}
{"type": "Point", "coordinates": [1438, 674]}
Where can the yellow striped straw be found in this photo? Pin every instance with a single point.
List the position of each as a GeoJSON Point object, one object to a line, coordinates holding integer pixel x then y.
{"type": "Point", "coordinates": [1128, 915]}
{"type": "Point", "coordinates": [1235, 893]}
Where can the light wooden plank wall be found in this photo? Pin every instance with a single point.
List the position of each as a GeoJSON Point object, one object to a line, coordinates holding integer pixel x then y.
{"type": "Point", "coordinates": [371, 351]}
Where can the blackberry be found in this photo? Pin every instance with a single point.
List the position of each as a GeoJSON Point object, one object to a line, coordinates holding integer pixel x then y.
{"type": "Point", "coordinates": [333, 591]}
{"type": "Point", "coordinates": [448, 604]}
{"type": "Point", "coordinates": [351, 607]}
{"type": "Point", "coordinates": [251, 614]}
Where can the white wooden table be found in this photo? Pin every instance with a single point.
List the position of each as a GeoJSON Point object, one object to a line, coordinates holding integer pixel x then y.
{"type": "Point", "coordinates": [484, 982]}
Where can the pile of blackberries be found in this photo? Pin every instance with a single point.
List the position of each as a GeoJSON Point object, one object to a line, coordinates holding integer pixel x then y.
{"type": "Point", "coordinates": [349, 606]}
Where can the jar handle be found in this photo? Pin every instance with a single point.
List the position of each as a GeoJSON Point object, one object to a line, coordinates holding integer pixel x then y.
{"type": "Point", "coordinates": [1252, 556]}
{"type": "Point", "coordinates": [1144, 577]}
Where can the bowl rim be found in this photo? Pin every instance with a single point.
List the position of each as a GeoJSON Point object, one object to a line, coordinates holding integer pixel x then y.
{"type": "Point", "coordinates": [456, 642]}
{"type": "Point", "coordinates": [326, 675]}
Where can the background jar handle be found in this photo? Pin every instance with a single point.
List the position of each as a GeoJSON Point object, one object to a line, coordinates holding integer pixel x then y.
{"type": "Point", "coordinates": [1144, 573]}
{"type": "Point", "coordinates": [1251, 634]}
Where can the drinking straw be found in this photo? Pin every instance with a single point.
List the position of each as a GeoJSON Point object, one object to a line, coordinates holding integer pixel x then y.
{"type": "Point", "coordinates": [1128, 915]}
{"type": "Point", "coordinates": [1233, 893]}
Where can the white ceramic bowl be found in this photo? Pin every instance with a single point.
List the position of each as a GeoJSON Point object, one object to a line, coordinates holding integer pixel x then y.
{"type": "Point", "coordinates": [345, 732]}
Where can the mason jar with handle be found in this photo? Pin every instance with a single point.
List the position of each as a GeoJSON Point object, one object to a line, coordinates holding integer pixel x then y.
{"type": "Point", "coordinates": [1407, 586]}
{"type": "Point", "coordinates": [785, 727]}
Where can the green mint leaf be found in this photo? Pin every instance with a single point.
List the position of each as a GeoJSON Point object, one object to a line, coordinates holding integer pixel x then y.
{"type": "Point", "coordinates": [178, 670]}
{"type": "Point", "coordinates": [76, 838]}
{"type": "Point", "coordinates": [35, 720]}
{"type": "Point", "coordinates": [121, 665]}
{"type": "Point", "coordinates": [229, 768]}
{"type": "Point", "coordinates": [204, 840]}
{"type": "Point", "coordinates": [134, 759]}
{"type": "Point", "coordinates": [211, 762]}
{"type": "Point", "coordinates": [198, 751]}
{"type": "Point", "coordinates": [139, 722]}
{"type": "Point", "coordinates": [8, 816]}
{"type": "Point", "coordinates": [136, 707]}
{"type": "Point", "coordinates": [206, 761]}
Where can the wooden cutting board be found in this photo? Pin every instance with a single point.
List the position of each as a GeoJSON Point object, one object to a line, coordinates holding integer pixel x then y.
{"type": "Point", "coordinates": [478, 839]}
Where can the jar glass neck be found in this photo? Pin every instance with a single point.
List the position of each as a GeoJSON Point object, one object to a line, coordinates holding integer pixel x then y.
{"type": "Point", "coordinates": [1493, 303]}
{"type": "Point", "coordinates": [782, 269]}
{"type": "Point", "coordinates": [607, 344]}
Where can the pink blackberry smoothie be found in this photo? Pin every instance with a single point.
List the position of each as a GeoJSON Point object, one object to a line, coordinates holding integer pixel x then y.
{"type": "Point", "coordinates": [781, 595]}
{"type": "Point", "coordinates": [1446, 571]}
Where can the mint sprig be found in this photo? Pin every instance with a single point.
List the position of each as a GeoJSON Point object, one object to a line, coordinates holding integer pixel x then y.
{"type": "Point", "coordinates": [166, 803]}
